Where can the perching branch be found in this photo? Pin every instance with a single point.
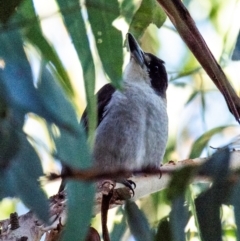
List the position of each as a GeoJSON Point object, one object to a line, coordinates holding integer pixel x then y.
{"type": "Point", "coordinates": [31, 229]}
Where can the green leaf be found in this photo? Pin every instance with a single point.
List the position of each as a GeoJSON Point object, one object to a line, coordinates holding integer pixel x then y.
{"type": "Point", "coordinates": [55, 101]}
{"type": "Point", "coordinates": [73, 149]}
{"type": "Point", "coordinates": [137, 222]}
{"type": "Point", "coordinates": [149, 12]}
{"type": "Point", "coordinates": [180, 181]}
{"type": "Point", "coordinates": [208, 213]}
{"type": "Point", "coordinates": [236, 204]}
{"type": "Point", "coordinates": [192, 96]}
{"type": "Point", "coordinates": [119, 228]}
{"type": "Point", "coordinates": [17, 80]}
{"type": "Point", "coordinates": [203, 140]}
{"type": "Point", "coordinates": [7, 8]}
{"type": "Point", "coordinates": [217, 166]}
{"type": "Point", "coordinates": [210, 201]}
{"type": "Point", "coordinates": [76, 27]}
{"type": "Point", "coordinates": [178, 218]}
{"type": "Point", "coordinates": [9, 142]}
{"type": "Point", "coordinates": [23, 174]}
{"type": "Point", "coordinates": [127, 8]}
{"type": "Point", "coordinates": [163, 231]}
{"type": "Point", "coordinates": [101, 15]}
{"type": "Point", "coordinates": [6, 186]}
{"type": "Point", "coordinates": [35, 36]}
{"type": "Point", "coordinates": [80, 204]}
{"type": "Point", "coordinates": [236, 52]}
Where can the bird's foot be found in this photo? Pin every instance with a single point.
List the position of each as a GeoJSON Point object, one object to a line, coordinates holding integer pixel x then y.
{"type": "Point", "coordinates": [106, 186]}
{"type": "Point", "coordinates": [130, 184]}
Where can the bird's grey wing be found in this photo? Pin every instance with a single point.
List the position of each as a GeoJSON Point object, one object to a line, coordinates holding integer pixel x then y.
{"type": "Point", "coordinates": [104, 96]}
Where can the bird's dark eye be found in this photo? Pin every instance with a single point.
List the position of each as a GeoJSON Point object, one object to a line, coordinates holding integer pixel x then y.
{"type": "Point", "coordinates": [156, 68]}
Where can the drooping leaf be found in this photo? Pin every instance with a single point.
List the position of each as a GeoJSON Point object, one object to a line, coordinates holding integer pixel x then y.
{"type": "Point", "coordinates": [34, 34]}
{"type": "Point", "coordinates": [9, 142]}
{"type": "Point", "coordinates": [202, 141]}
{"type": "Point", "coordinates": [192, 96]}
{"type": "Point", "coordinates": [208, 213]}
{"type": "Point", "coordinates": [72, 149]}
{"type": "Point", "coordinates": [6, 186]}
{"type": "Point", "coordinates": [210, 201]}
{"type": "Point", "coordinates": [163, 231]}
{"type": "Point", "coordinates": [119, 228]}
{"type": "Point", "coordinates": [236, 204]}
{"type": "Point", "coordinates": [137, 222]}
{"type": "Point", "coordinates": [236, 52]}
{"type": "Point", "coordinates": [149, 12]}
{"type": "Point", "coordinates": [76, 27]}
{"type": "Point", "coordinates": [7, 9]}
{"type": "Point", "coordinates": [17, 80]}
{"type": "Point", "coordinates": [80, 203]}
{"type": "Point", "coordinates": [23, 174]}
{"type": "Point", "coordinates": [178, 218]}
{"type": "Point", "coordinates": [217, 166]}
{"type": "Point", "coordinates": [127, 8]}
{"type": "Point", "coordinates": [109, 42]}
{"type": "Point", "coordinates": [180, 181]}
{"type": "Point", "coordinates": [54, 100]}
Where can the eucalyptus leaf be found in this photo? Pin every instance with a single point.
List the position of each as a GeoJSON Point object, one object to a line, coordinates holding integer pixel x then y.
{"type": "Point", "coordinates": [6, 185]}
{"type": "Point", "coordinates": [76, 27]}
{"type": "Point", "coordinates": [209, 219]}
{"type": "Point", "coordinates": [119, 228]}
{"type": "Point", "coordinates": [72, 149]}
{"type": "Point", "coordinates": [178, 218]}
{"type": "Point", "coordinates": [236, 204]}
{"type": "Point", "coordinates": [101, 15]}
{"type": "Point", "coordinates": [9, 142]}
{"type": "Point", "coordinates": [7, 9]}
{"type": "Point", "coordinates": [236, 51]}
{"type": "Point", "coordinates": [17, 80]}
{"type": "Point", "coordinates": [217, 166]}
{"type": "Point", "coordinates": [54, 99]}
{"type": "Point", "coordinates": [23, 174]}
{"type": "Point", "coordinates": [163, 231]}
{"type": "Point", "coordinates": [80, 206]}
{"type": "Point", "coordinates": [137, 222]}
{"type": "Point", "coordinates": [203, 140]}
{"type": "Point", "coordinates": [127, 8]}
{"type": "Point", "coordinates": [149, 11]}
{"type": "Point", "coordinates": [210, 201]}
{"type": "Point", "coordinates": [34, 34]}
{"type": "Point", "coordinates": [180, 181]}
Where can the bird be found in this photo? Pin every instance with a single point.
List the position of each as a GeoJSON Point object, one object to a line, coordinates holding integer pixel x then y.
{"type": "Point", "coordinates": [132, 123]}
{"type": "Point", "coordinates": [132, 128]}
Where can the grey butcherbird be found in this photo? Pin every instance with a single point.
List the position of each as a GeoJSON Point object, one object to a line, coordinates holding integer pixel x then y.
{"type": "Point", "coordinates": [132, 128]}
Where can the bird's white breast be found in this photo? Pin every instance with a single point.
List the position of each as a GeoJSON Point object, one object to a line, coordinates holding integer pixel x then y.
{"type": "Point", "coordinates": [134, 132]}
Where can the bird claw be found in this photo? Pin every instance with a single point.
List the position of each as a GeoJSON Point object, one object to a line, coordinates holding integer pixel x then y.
{"type": "Point", "coordinates": [130, 184]}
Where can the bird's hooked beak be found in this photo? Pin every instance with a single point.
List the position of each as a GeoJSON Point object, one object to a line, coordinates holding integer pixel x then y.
{"type": "Point", "coordinates": [135, 50]}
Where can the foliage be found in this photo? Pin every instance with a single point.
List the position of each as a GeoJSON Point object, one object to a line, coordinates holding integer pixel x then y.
{"type": "Point", "coordinates": [52, 101]}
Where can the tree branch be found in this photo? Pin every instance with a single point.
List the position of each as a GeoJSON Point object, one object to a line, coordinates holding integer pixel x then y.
{"type": "Point", "coordinates": [31, 228]}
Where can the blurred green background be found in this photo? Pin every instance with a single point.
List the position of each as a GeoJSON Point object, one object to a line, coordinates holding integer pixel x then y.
{"type": "Point", "coordinates": [54, 41]}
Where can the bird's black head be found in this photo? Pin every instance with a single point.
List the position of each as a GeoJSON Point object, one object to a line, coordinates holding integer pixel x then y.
{"type": "Point", "coordinates": [149, 66]}
{"type": "Point", "coordinates": [157, 73]}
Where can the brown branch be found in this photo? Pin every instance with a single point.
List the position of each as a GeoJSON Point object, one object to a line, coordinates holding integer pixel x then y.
{"type": "Point", "coordinates": [187, 29]}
